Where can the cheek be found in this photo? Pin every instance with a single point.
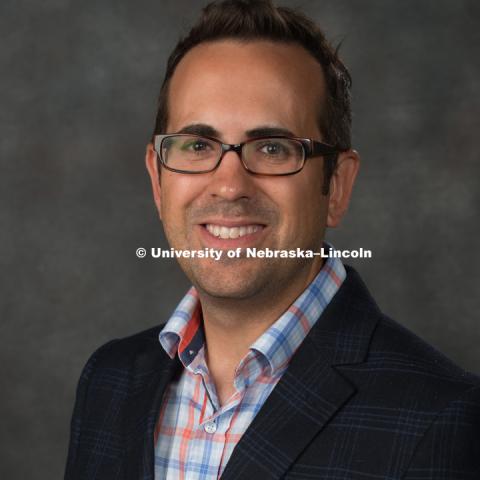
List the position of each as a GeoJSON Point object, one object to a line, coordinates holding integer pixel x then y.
{"type": "Point", "coordinates": [302, 206]}
{"type": "Point", "coordinates": [177, 193]}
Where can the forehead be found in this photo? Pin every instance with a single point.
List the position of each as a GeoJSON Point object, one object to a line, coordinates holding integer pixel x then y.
{"type": "Point", "coordinates": [235, 82]}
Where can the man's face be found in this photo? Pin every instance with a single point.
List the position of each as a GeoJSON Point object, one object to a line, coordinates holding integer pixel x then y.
{"type": "Point", "coordinates": [233, 91]}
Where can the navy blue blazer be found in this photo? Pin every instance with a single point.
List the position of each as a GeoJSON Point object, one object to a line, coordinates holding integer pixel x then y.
{"type": "Point", "coordinates": [363, 398]}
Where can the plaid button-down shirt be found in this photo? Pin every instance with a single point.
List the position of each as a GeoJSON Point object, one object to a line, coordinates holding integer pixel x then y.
{"type": "Point", "coordinates": [195, 436]}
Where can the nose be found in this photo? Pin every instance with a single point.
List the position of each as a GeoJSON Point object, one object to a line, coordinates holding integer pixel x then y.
{"type": "Point", "coordinates": [230, 180]}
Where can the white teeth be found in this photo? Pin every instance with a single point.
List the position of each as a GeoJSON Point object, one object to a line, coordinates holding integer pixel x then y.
{"type": "Point", "coordinates": [234, 232]}
{"type": "Point", "coordinates": [224, 232]}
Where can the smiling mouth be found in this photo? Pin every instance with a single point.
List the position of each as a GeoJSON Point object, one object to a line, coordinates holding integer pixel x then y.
{"type": "Point", "coordinates": [221, 231]}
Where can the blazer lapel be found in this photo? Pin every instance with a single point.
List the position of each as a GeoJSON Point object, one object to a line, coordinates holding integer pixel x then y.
{"type": "Point", "coordinates": [312, 389]}
{"type": "Point", "coordinates": [155, 370]}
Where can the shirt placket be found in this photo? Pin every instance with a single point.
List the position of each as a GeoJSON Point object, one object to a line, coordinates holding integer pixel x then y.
{"type": "Point", "coordinates": [214, 421]}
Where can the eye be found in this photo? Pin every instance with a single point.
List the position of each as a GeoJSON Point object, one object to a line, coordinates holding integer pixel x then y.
{"type": "Point", "coordinates": [199, 145]}
{"type": "Point", "coordinates": [273, 148]}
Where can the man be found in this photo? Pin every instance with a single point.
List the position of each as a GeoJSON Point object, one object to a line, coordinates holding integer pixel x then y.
{"type": "Point", "coordinates": [269, 368]}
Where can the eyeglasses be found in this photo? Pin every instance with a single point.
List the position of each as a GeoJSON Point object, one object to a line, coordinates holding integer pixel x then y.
{"type": "Point", "coordinates": [275, 155]}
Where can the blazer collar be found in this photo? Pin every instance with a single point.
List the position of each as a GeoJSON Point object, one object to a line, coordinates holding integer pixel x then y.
{"type": "Point", "coordinates": [312, 389]}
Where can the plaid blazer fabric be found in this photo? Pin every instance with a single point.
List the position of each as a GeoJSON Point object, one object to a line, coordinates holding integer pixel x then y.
{"type": "Point", "coordinates": [363, 398]}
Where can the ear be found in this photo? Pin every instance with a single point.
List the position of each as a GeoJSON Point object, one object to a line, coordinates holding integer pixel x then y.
{"type": "Point", "coordinates": [154, 172]}
{"type": "Point", "coordinates": [341, 185]}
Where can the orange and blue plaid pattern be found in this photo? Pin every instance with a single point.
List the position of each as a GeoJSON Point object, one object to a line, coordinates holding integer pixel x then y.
{"type": "Point", "coordinates": [195, 435]}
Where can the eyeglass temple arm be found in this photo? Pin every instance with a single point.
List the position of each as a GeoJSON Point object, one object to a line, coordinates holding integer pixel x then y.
{"type": "Point", "coordinates": [317, 149]}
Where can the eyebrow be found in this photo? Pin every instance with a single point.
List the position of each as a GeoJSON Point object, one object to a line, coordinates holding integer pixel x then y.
{"type": "Point", "coordinates": [200, 129]}
{"type": "Point", "coordinates": [268, 131]}
{"type": "Point", "coordinates": [261, 131]}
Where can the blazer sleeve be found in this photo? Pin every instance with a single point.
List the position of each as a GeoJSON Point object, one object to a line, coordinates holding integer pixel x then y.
{"type": "Point", "coordinates": [450, 447]}
{"type": "Point", "coordinates": [79, 411]}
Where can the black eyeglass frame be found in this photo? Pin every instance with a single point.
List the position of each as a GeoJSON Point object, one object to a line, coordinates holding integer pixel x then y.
{"type": "Point", "coordinates": [311, 148]}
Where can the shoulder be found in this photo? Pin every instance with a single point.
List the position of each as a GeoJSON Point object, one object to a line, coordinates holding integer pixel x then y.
{"type": "Point", "coordinates": [397, 350]}
{"type": "Point", "coordinates": [116, 378]}
{"type": "Point", "coordinates": [396, 368]}
{"type": "Point", "coordinates": [119, 369]}
{"type": "Point", "coordinates": [432, 399]}
{"type": "Point", "coordinates": [125, 356]}
{"type": "Point", "coordinates": [416, 391]}
{"type": "Point", "coordinates": [125, 349]}
{"type": "Point", "coordinates": [396, 353]}
{"type": "Point", "coordinates": [409, 393]}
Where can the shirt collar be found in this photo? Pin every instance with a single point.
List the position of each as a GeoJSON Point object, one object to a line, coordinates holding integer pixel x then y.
{"type": "Point", "coordinates": [280, 341]}
{"type": "Point", "coordinates": [183, 333]}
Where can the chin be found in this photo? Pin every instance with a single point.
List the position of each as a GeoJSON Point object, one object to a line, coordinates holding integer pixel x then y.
{"type": "Point", "coordinates": [226, 294]}
{"type": "Point", "coordinates": [232, 289]}
{"type": "Point", "coordinates": [230, 283]}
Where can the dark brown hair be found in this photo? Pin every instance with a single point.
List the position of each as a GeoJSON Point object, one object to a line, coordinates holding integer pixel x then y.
{"type": "Point", "coordinates": [248, 20]}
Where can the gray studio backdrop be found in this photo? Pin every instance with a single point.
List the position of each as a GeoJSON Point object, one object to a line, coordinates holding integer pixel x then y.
{"type": "Point", "coordinates": [78, 86]}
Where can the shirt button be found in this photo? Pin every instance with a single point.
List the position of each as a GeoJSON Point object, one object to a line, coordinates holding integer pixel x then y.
{"type": "Point", "coordinates": [210, 427]}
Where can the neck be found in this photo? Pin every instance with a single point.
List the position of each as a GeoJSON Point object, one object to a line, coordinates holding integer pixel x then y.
{"type": "Point", "coordinates": [231, 325]}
